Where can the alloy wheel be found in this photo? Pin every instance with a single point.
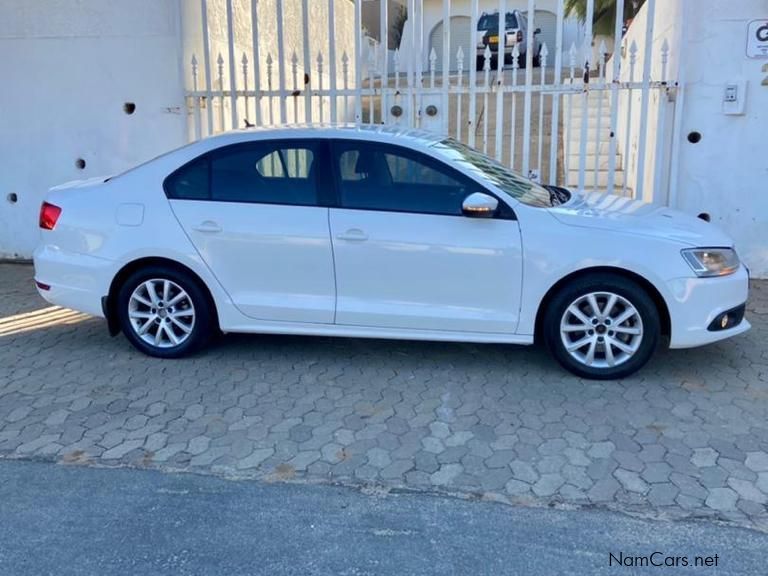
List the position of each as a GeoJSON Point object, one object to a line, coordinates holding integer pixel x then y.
{"type": "Point", "coordinates": [161, 313]}
{"type": "Point", "coordinates": [601, 329]}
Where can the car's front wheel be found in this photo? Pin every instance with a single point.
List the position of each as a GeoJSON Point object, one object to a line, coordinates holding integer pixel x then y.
{"type": "Point", "coordinates": [164, 312]}
{"type": "Point", "coordinates": [602, 327]}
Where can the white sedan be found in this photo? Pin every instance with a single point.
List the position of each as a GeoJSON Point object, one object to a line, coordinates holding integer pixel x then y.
{"type": "Point", "coordinates": [381, 233]}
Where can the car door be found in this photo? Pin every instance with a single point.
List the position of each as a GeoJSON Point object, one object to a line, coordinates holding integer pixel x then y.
{"type": "Point", "coordinates": [255, 213]}
{"type": "Point", "coordinates": [405, 255]}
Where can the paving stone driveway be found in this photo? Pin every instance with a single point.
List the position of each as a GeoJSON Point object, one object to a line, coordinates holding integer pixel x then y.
{"type": "Point", "coordinates": [688, 436]}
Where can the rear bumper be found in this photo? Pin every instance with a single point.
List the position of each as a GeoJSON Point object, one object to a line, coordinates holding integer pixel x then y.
{"type": "Point", "coordinates": [697, 303]}
{"type": "Point", "coordinates": [495, 51]}
{"type": "Point", "coordinates": [508, 48]}
{"type": "Point", "coordinates": [75, 281]}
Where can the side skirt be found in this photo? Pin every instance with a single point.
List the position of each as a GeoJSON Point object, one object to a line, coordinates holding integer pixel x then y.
{"type": "Point", "coordinates": [373, 332]}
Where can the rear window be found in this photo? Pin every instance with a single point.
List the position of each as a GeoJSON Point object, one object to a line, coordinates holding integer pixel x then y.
{"type": "Point", "coordinates": [491, 22]}
{"type": "Point", "coordinates": [265, 173]}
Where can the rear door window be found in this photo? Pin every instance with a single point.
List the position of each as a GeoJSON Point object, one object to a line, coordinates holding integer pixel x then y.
{"type": "Point", "coordinates": [266, 173]}
{"type": "Point", "coordinates": [282, 172]}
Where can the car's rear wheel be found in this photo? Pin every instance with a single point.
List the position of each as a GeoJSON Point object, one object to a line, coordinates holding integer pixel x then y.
{"type": "Point", "coordinates": [164, 312]}
{"type": "Point", "coordinates": [602, 327]}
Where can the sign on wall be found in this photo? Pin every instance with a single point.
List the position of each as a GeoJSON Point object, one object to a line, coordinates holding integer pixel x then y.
{"type": "Point", "coordinates": [757, 39]}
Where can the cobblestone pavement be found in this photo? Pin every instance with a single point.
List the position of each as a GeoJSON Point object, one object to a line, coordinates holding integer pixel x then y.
{"type": "Point", "coordinates": [687, 437]}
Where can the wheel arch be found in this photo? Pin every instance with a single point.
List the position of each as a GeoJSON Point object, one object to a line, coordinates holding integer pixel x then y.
{"type": "Point", "coordinates": [644, 283]}
{"type": "Point", "coordinates": [109, 302]}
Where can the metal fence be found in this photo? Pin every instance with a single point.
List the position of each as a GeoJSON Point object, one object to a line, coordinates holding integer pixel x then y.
{"type": "Point", "coordinates": [563, 115]}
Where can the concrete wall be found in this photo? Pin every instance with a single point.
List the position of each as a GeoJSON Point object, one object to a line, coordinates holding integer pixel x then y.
{"type": "Point", "coordinates": [726, 173]}
{"type": "Point", "coordinates": [68, 67]}
{"type": "Point", "coordinates": [667, 26]}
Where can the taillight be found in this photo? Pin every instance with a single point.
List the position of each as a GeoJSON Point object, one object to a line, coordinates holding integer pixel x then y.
{"type": "Point", "coordinates": [519, 35]}
{"type": "Point", "coordinates": [49, 214]}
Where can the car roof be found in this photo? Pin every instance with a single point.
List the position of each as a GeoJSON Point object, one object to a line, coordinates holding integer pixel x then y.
{"type": "Point", "coordinates": [371, 132]}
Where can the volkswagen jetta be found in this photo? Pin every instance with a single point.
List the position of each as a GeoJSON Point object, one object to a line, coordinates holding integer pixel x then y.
{"type": "Point", "coordinates": [383, 233]}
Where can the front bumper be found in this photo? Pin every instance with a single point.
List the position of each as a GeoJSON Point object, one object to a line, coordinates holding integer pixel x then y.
{"type": "Point", "coordinates": [75, 281]}
{"type": "Point", "coordinates": [697, 304]}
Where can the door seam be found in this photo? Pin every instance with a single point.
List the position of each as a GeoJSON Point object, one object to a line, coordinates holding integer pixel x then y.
{"type": "Point", "coordinates": [333, 259]}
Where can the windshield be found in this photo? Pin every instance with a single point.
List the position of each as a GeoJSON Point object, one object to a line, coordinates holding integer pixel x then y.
{"type": "Point", "coordinates": [519, 188]}
{"type": "Point", "coordinates": [491, 21]}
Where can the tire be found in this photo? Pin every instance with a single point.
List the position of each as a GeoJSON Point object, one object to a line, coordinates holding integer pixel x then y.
{"type": "Point", "coordinates": [631, 328]}
{"type": "Point", "coordinates": [188, 320]}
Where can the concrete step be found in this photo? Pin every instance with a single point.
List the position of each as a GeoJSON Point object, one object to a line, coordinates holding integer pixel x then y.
{"type": "Point", "coordinates": [597, 101]}
{"type": "Point", "coordinates": [592, 147]}
{"type": "Point", "coordinates": [603, 161]}
{"type": "Point", "coordinates": [574, 135]}
{"type": "Point", "coordinates": [592, 179]}
{"type": "Point", "coordinates": [577, 110]}
{"type": "Point", "coordinates": [594, 97]}
{"type": "Point", "coordinates": [592, 121]}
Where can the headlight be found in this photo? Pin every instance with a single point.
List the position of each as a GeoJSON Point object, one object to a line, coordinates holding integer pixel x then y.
{"type": "Point", "coordinates": [712, 261]}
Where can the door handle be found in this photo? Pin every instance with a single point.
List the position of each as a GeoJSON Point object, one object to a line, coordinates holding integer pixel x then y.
{"type": "Point", "coordinates": [353, 235]}
{"type": "Point", "coordinates": [208, 227]}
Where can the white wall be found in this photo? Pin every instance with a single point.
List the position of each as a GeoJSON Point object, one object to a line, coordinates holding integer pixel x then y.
{"type": "Point", "coordinates": [667, 26]}
{"type": "Point", "coordinates": [726, 173]}
{"type": "Point", "coordinates": [67, 67]}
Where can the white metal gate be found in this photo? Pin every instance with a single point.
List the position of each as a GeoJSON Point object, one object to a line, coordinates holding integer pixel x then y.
{"type": "Point", "coordinates": [579, 120]}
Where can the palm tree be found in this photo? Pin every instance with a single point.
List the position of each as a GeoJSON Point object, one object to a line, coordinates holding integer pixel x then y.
{"type": "Point", "coordinates": [605, 13]}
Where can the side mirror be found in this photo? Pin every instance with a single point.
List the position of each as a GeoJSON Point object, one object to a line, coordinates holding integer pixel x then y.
{"type": "Point", "coordinates": [479, 205]}
{"type": "Point", "coordinates": [537, 31]}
